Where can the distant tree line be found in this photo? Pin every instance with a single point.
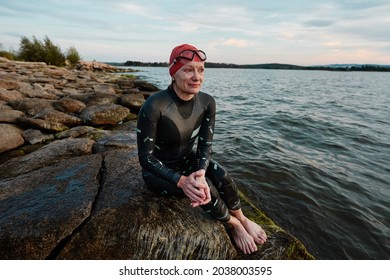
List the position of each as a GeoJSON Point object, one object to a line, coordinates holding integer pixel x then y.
{"type": "Point", "coordinates": [146, 64]}
{"type": "Point", "coordinates": [41, 51]}
{"type": "Point", "coordinates": [364, 67]}
{"type": "Point", "coordinates": [279, 66]}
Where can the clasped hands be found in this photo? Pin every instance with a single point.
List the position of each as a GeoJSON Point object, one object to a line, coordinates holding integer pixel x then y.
{"type": "Point", "coordinates": [195, 188]}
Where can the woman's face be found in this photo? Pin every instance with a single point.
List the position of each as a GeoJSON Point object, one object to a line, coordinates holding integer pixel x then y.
{"type": "Point", "coordinates": [189, 79]}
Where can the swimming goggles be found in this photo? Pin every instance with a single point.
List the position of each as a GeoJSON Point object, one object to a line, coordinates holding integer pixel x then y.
{"type": "Point", "coordinates": [189, 55]}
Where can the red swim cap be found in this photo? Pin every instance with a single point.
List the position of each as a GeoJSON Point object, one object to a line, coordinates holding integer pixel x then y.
{"type": "Point", "coordinates": [175, 65]}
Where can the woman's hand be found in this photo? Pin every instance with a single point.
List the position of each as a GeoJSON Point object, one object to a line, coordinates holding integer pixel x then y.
{"type": "Point", "coordinates": [195, 188]}
{"type": "Point", "coordinates": [200, 177]}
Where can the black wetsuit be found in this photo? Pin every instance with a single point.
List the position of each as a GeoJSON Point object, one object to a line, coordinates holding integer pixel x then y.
{"type": "Point", "coordinates": [167, 130]}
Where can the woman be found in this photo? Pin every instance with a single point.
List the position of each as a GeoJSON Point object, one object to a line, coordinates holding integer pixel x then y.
{"type": "Point", "coordinates": [169, 124]}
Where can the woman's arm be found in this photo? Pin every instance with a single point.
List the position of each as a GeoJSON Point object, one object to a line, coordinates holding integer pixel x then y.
{"type": "Point", "coordinates": [146, 137]}
{"type": "Point", "coordinates": [206, 134]}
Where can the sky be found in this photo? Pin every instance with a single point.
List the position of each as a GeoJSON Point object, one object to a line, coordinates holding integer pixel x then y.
{"type": "Point", "coordinates": [302, 32]}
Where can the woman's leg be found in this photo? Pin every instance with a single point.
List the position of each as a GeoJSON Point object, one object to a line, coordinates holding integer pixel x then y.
{"type": "Point", "coordinates": [224, 206]}
{"type": "Point", "coordinates": [245, 232]}
{"type": "Point", "coordinates": [224, 184]}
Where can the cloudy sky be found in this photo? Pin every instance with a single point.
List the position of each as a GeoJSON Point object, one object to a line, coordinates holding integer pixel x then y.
{"type": "Point", "coordinates": [302, 32]}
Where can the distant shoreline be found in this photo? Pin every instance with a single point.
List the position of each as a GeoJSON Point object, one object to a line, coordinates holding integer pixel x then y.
{"type": "Point", "coordinates": [277, 66]}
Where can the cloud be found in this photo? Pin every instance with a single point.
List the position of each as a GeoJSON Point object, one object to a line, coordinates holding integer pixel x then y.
{"type": "Point", "coordinates": [241, 32]}
{"type": "Point", "coordinates": [135, 9]}
{"type": "Point", "coordinates": [235, 43]}
{"type": "Point", "coordinates": [319, 22]}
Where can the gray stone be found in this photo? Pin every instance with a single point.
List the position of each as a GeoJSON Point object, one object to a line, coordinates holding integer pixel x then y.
{"type": "Point", "coordinates": [46, 156]}
{"type": "Point", "coordinates": [110, 114]}
{"type": "Point", "coordinates": [105, 88]}
{"type": "Point", "coordinates": [51, 115]}
{"type": "Point", "coordinates": [144, 86]}
{"type": "Point", "coordinates": [41, 124]}
{"type": "Point", "coordinates": [8, 95]}
{"type": "Point", "coordinates": [35, 136]}
{"type": "Point", "coordinates": [9, 84]}
{"type": "Point", "coordinates": [40, 208]}
{"type": "Point", "coordinates": [69, 105]}
{"type": "Point", "coordinates": [11, 137]}
{"type": "Point", "coordinates": [31, 106]}
{"type": "Point", "coordinates": [130, 222]}
{"type": "Point", "coordinates": [116, 140]}
{"type": "Point", "coordinates": [75, 132]}
{"type": "Point", "coordinates": [133, 101]}
{"type": "Point", "coordinates": [10, 116]}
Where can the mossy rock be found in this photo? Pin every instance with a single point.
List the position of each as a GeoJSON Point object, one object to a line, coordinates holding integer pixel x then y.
{"type": "Point", "coordinates": [280, 244]}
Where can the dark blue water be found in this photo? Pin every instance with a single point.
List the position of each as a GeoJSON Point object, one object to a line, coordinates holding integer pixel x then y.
{"type": "Point", "coordinates": [311, 149]}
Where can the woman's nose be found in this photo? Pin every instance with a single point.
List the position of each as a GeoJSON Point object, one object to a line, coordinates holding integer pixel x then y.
{"type": "Point", "coordinates": [196, 75]}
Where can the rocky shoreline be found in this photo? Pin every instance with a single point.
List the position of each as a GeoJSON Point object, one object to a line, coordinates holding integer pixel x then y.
{"type": "Point", "coordinates": [70, 182]}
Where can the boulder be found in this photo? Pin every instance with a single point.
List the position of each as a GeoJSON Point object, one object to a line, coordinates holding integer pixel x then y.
{"type": "Point", "coordinates": [10, 116]}
{"type": "Point", "coordinates": [69, 105]}
{"type": "Point", "coordinates": [41, 124]}
{"type": "Point", "coordinates": [46, 156]}
{"type": "Point", "coordinates": [106, 114]}
{"type": "Point", "coordinates": [116, 140]}
{"type": "Point", "coordinates": [144, 86]}
{"type": "Point", "coordinates": [95, 66]}
{"type": "Point", "coordinates": [57, 72]}
{"type": "Point", "coordinates": [35, 136]}
{"type": "Point", "coordinates": [38, 92]}
{"type": "Point", "coordinates": [8, 95]}
{"type": "Point", "coordinates": [75, 132]}
{"type": "Point", "coordinates": [105, 88]}
{"type": "Point", "coordinates": [4, 106]}
{"type": "Point", "coordinates": [39, 209]}
{"type": "Point", "coordinates": [133, 101]}
{"type": "Point", "coordinates": [126, 84]}
{"type": "Point", "coordinates": [68, 90]}
{"type": "Point", "coordinates": [130, 222]}
{"type": "Point", "coordinates": [11, 137]}
{"type": "Point", "coordinates": [91, 99]}
{"type": "Point", "coordinates": [31, 106]}
{"type": "Point", "coordinates": [9, 84]}
{"type": "Point", "coordinates": [51, 115]}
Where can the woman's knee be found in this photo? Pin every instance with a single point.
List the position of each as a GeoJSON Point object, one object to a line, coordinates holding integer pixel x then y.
{"type": "Point", "coordinates": [218, 174]}
{"type": "Point", "coordinates": [216, 207]}
{"type": "Point", "coordinates": [226, 187]}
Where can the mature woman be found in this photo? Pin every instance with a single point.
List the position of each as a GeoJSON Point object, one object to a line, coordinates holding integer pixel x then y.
{"type": "Point", "coordinates": [169, 124]}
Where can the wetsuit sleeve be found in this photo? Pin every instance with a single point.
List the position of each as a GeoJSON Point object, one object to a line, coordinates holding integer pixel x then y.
{"type": "Point", "coordinates": [206, 136]}
{"type": "Point", "coordinates": [146, 136]}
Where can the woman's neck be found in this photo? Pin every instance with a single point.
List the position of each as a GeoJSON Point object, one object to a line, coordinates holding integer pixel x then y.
{"type": "Point", "coordinates": [182, 95]}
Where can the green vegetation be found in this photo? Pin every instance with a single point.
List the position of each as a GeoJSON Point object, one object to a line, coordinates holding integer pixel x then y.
{"type": "Point", "coordinates": [42, 51]}
{"type": "Point", "coordinates": [72, 55]}
{"type": "Point", "coordinates": [8, 55]}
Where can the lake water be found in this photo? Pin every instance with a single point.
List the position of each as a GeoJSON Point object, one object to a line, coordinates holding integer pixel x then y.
{"type": "Point", "coordinates": [311, 149]}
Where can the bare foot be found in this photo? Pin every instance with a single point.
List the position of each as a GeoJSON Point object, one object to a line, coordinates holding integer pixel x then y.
{"type": "Point", "coordinates": [254, 230]}
{"type": "Point", "coordinates": [243, 240]}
